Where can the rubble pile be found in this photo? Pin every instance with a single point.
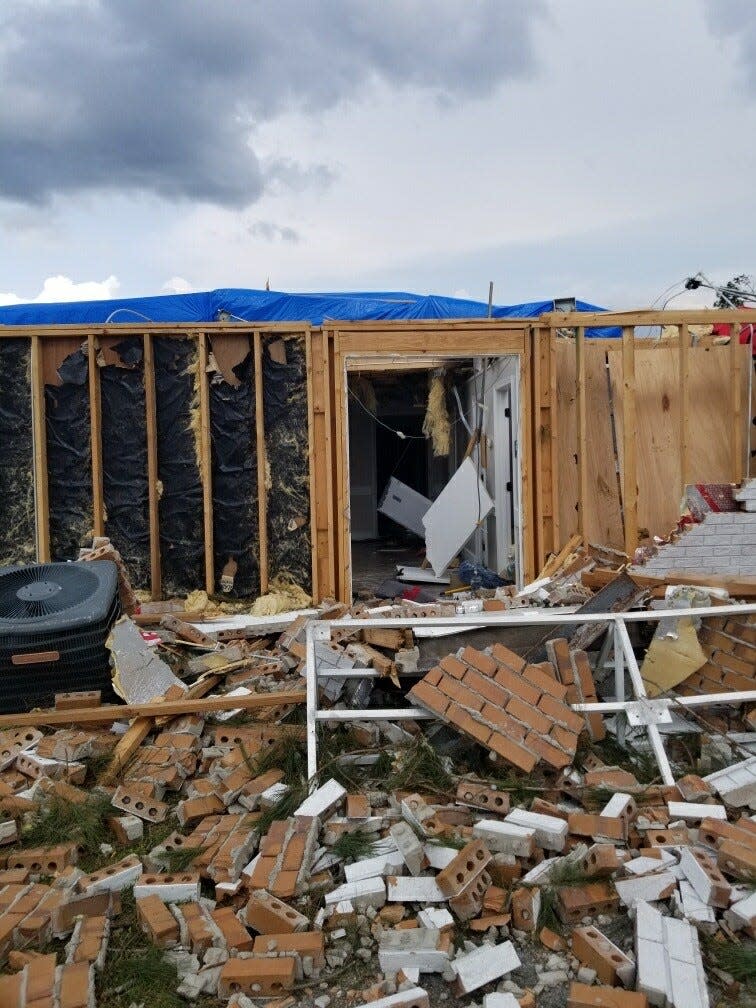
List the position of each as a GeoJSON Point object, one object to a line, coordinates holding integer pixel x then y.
{"type": "Point", "coordinates": [507, 852]}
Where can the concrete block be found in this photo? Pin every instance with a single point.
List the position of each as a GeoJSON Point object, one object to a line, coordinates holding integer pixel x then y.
{"type": "Point", "coordinates": [413, 997]}
{"type": "Point", "coordinates": [374, 867]}
{"type": "Point", "coordinates": [707, 880]}
{"type": "Point", "coordinates": [694, 811]}
{"type": "Point", "coordinates": [411, 849]}
{"type": "Point", "coordinates": [407, 889]}
{"type": "Point", "coordinates": [176, 888]}
{"type": "Point", "coordinates": [426, 949]}
{"type": "Point", "coordinates": [646, 889]}
{"type": "Point", "coordinates": [322, 801]}
{"type": "Point", "coordinates": [507, 837]}
{"type": "Point", "coordinates": [370, 892]}
{"type": "Point", "coordinates": [483, 965]}
{"type": "Point", "coordinates": [550, 832]}
{"type": "Point", "coordinates": [736, 784]}
{"type": "Point", "coordinates": [669, 968]}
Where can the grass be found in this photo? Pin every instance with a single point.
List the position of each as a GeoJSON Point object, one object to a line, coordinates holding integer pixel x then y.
{"type": "Point", "coordinates": [284, 808]}
{"type": "Point", "coordinates": [568, 872]}
{"type": "Point", "coordinates": [419, 768]}
{"type": "Point", "coordinates": [355, 846]}
{"type": "Point", "coordinates": [737, 960]}
{"type": "Point", "coordinates": [181, 858]}
{"type": "Point", "coordinates": [85, 824]}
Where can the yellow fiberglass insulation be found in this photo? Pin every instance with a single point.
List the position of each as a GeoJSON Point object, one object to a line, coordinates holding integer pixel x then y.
{"type": "Point", "coordinates": [436, 424]}
{"type": "Point", "coordinates": [282, 597]}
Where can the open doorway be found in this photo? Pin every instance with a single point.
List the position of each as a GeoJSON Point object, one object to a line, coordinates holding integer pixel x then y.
{"type": "Point", "coordinates": [396, 472]}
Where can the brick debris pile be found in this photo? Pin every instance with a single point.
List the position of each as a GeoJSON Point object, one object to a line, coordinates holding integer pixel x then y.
{"type": "Point", "coordinates": [529, 869]}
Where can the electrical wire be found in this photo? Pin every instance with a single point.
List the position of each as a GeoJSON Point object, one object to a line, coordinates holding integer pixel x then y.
{"type": "Point", "coordinates": [399, 433]}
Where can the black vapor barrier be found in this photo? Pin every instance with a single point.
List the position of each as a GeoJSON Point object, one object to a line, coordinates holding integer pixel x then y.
{"type": "Point", "coordinates": [124, 459]}
{"type": "Point", "coordinates": [180, 508]}
{"type": "Point", "coordinates": [287, 448]}
{"type": "Point", "coordinates": [234, 465]}
{"type": "Point", "coordinates": [69, 458]}
{"type": "Point", "coordinates": [17, 534]}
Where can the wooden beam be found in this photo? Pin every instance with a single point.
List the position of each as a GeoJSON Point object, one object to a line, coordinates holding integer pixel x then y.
{"type": "Point", "coordinates": [206, 463]}
{"type": "Point", "coordinates": [736, 390]}
{"type": "Point", "coordinates": [539, 458]}
{"type": "Point", "coordinates": [313, 480]}
{"type": "Point", "coordinates": [39, 441]}
{"type": "Point", "coordinates": [629, 434]}
{"type": "Point", "coordinates": [343, 516]}
{"type": "Point", "coordinates": [738, 587]}
{"type": "Point", "coordinates": [333, 484]}
{"type": "Point", "coordinates": [262, 489]}
{"type": "Point", "coordinates": [95, 437]}
{"type": "Point", "coordinates": [554, 436]}
{"type": "Point", "coordinates": [150, 415]}
{"type": "Point", "coordinates": [684, 368]}
{"type": "Point", "coordinates": [166, 708]}
{"type": "Point", "coordinates": [646, 317]}
{"type": "Point", "coordinates": [582, 456]}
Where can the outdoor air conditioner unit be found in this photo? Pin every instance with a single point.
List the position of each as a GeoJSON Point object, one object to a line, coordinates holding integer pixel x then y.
{"type": "Point", "coordinates": [54, 621]}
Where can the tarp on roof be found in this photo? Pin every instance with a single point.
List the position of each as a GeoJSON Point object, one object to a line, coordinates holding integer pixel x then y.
{"type": "Point", "coordinates": [274, 306]}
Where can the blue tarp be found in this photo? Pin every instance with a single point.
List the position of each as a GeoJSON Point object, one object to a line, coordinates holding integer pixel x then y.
{"type": "Point", "coordinates": [274, 306]}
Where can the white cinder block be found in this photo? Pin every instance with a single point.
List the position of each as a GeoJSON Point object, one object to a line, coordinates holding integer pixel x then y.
{"type": "Point", "coordinates": [113, 878]}
{"type": "Point", "coordinates": [541, 872]}
{"type": "Point", "coordinates": [409, 846]}
{"type": "Point", "coordinates": [413, 997]}
{"type": "Point", "coordinates": [500, 1001]}
{"type": "Point", "coordinates": [425, 949]}
{"type": "Point", "coordinates": [435, 917]}
{"type": "Point", "coordinates": [701, 881]}
{"type": "Point", "coordinates": [369, 892]}
{"type": "Point", "coordinates": [374, 867]}
{"type": "Point", "coordinates": [407, 889]}
{"type": "Point", "coordinates": [439, 857]}
{"type": "Point", "coordinates": [646, 889]}
{"type": "Point", "coordinates": [744, 911]}
{"type": "Point", "coordinates": [322, 801]}
{"type": "Point", "coordinates": [618, 805]}
{"type": "Point", "coordinates": [670, 971]}
{"type": "Point", "coordinates": [736, 784]}
{"type": "Point", "coordinates": [692, 907]}
{"type": "Point", "coordinates": [693, 811]}
{"type": "Point", "coordinates": [484, 964]}
{"type": "Point", "coordinates": [550, 832]}
{"type": "Point", "coordinates": [646, 866]}
{"type": "Point", "coordinates": [180, 889]}
{"type": "Point", "coordinates": [506, 837]}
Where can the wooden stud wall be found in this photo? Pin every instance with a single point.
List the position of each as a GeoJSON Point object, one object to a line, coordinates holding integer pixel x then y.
{"type": "Point", "coordinates": [610, 430]}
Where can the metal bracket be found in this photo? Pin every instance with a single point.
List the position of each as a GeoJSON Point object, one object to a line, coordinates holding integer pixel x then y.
{"type": "Point", "coordinates": [642, 713]}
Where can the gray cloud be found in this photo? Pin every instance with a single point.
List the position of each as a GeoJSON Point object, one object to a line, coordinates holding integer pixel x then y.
{"type": "Point", "coordinates": [162, 96]}
{"type": "Point", "coordinates": [268, 231]}
{"type": "Point", "coordinates": [736, 18]}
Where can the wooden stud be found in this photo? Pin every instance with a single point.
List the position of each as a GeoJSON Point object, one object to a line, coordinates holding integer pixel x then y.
{"type": "Point", "coordinates": [150, 411]}
{"type": "Point", "coordinates": [539, 458]}
{"type": "Point", "coordinates": [629, 434]}
{"type": "Point", "coordinates": [736, 385]}
{"type": "Point", "coordinates": [262, 489]}
{"type": "Point", "coordinates": [554, 436]}
{"type": "Point", "coordinates": [206, 463]}
{"type": "Point", "coordinates": [331, 439]}
{"type": "Point", "coordinates": [95, 436]}
{"type": "Point", "coordinates": [314, 480]}
{"type": "Point", "coordinates": [582, 455]}
{"type": "Point", "coordinates": [39, 441]}
{"type": "Point", "coordinates": [343, 517]}
{"type": "Point", "coordinates": [165, 708]}
{"type": "Point", "coordinates": [528, 479]}
{"type": "Point", "coordinates": [684, 367]}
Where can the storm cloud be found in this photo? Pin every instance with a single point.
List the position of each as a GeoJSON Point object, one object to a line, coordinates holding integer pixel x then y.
{"type": "Point", "coordinates": [164, 97]}
{"type": "Point", "coordinates": [737, 18]}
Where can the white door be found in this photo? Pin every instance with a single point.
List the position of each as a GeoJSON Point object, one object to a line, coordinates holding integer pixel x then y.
{"type": "Point", "coordinates": [363, 481]}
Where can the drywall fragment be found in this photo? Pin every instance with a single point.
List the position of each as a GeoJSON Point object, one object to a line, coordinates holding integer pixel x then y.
{"type": "Point", "coordinates": [673, 654]}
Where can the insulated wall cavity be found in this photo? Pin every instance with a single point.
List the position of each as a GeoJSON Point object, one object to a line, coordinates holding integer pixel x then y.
{"type": "Point", "coordinates": [180, 505]}
{"type": "Point", "coordinates": [17, 533]}
{"type": "Point", "coordinates": [234, 472]}
{"type": "Point", "coordinates": [69, 458]}
{"type": "Point", "coordinates": [124, 457]}
{"type": "Point", "coordinates": [287, 450]}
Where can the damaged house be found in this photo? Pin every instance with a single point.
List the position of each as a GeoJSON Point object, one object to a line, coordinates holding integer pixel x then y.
{"type": "Point", "coordinates": [236, 440]}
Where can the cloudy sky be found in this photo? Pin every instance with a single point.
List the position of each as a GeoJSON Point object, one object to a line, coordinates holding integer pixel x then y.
{"type": "Point", "coordinates": [597, 147]}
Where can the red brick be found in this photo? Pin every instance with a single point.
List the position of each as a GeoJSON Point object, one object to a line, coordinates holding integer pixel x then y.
{"type": "Point", "coordinates": [503, 722]}
{"type": "Point", "coordinates": [545, 683]}
{"type": "Point", "coordinates": [528, 715]}
{"type": "Point", "coordinates": [157, 921]}
{"type": "Point", "coordinates": [512, 752]}
{"type": "Point", "coordinates": [482, 662]}
{"type": "Point", "coordinates": [506, 657]}
{"type": "Point", "coordinates": [561, 714]}
{"type": "Point", "coordinates": [238, 939]}
{"type": "Point", "coordinates": [546, 751]}
{"type": "Point", "coordinates": [428, 696]}
{"type": "Point", "coordinates": [586, 996]}
{"type": "Point", "coordinates": [564, 737]}
{"type": "Point", "coordinates": [486, 688]}
{"type": "Point", "coordinates": [459, 693]}
{"type": "Point", "coordinates": [476, 729]}
{"type": "Point", "coordinates": [453, 666]}
{"type": "Point", "coordinates": [517, 686]}
{"type": "Point", "coordinates": [256, 976]}
{"type": "Point", "coordinates": [434, 676]}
